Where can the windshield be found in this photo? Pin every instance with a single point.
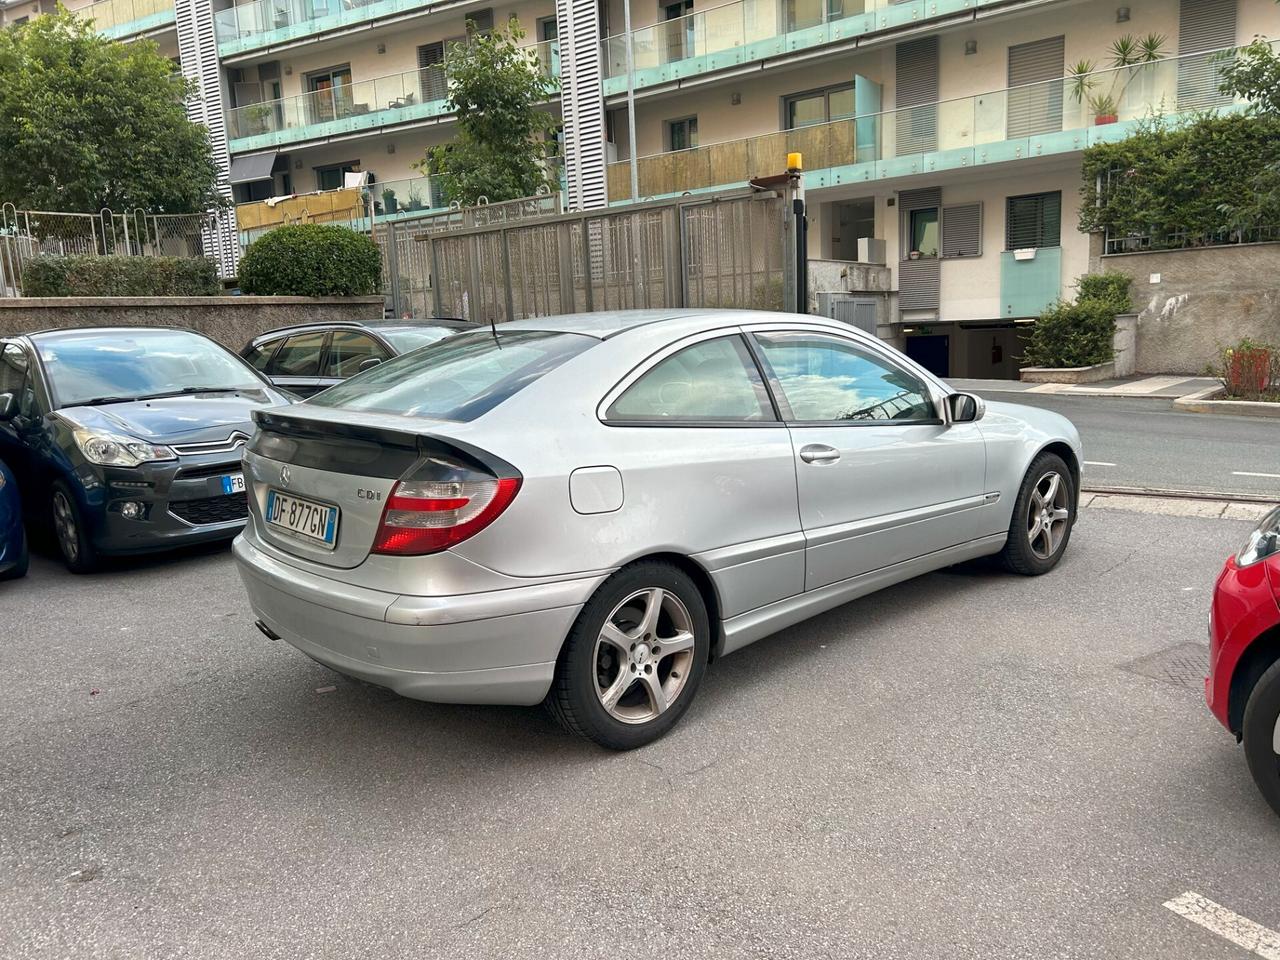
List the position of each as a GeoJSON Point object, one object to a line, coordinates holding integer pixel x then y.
{"type": "Point", "coordinates": [405, 339]}
{"type": "Point", "coordinates": [128, 365]}
{"type": "Point", "coordinates": [459, 378]}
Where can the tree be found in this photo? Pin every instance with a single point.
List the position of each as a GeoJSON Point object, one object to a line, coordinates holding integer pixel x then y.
{"type": "Point", "coordinates": [1254, 75]}
{"type": "Point", "coordinates": [87, 123]}
{"type": "Point", "coordinates": [503, 140]}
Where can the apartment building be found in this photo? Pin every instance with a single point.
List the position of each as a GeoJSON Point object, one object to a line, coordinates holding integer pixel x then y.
{"type": "Point", "coordinates": [940, 138]}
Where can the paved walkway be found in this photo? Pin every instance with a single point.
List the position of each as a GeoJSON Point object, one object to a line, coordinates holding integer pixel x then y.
{"type": "Point", "coordinates": [1169, 387]}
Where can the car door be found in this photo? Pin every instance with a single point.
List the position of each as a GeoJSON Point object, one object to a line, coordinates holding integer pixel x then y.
{"type": "Point", "coordinates": [348, 351]}
{"type": "Point", "coordinates": [21, 442]}
{"type": "Point", "coordinates": [882, 477]}
{"type": "Point", "coordinates": [296, 364]}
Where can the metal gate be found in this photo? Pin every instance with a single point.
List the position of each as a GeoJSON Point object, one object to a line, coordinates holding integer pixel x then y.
{"type": "Point", "coordinates": [724, 250]}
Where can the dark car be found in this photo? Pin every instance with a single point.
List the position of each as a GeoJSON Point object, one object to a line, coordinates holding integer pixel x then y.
{"type": "Point", "coordinates": [13, 538]}
{"type": "Point", "coordinates": [128, 439]}
{"type": "Point", "coordinates": [312, 357]}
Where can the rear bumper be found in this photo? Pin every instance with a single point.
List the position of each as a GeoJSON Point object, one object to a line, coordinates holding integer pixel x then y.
{"type": "Point", "coordinates": [1244, 607]}
{"type": "Point", "coordinates": [494, 647]}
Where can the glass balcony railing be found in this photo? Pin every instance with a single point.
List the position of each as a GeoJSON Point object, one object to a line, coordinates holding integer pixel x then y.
{"type": "Point", "coordinates": [392, 199]}
{"type": "Point", "coordinates": [122, 18]}
{"type": "Point", "coordinates": [364, 104]}
{"type": "Point", "coordinates": [1057, 116]}
{"type": "Point", "coordinates": [746, 30]}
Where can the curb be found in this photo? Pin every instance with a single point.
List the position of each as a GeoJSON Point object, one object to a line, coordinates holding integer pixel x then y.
{"type": "Point", "coordinates": [1217, 496]}
{"type": "Point", "coordinates": [1204, 402]}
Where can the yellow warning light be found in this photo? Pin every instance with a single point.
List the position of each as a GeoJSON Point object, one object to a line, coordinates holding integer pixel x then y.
{"type": "Point", "coordinates": [795, 161]}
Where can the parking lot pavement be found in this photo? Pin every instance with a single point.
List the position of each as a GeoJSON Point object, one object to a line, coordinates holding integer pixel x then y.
{"type": "Point", "coordinates": [967, 765]}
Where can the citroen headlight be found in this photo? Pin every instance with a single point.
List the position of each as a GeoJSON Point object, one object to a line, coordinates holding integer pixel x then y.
{"type": "Point", "coordinates": [113, 450]}
{"type": "Point", "coordinates": [1263, 542]}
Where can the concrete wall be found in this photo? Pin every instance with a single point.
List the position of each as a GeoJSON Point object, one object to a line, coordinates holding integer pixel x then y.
{"type": "Point", "coordinates": [232, 321]}
{"type": "Point", "coordinates": [1191, 303]}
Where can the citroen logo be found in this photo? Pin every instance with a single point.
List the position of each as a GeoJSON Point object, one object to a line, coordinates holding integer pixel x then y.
{"type": "Point", "coordinates": [284, 475]}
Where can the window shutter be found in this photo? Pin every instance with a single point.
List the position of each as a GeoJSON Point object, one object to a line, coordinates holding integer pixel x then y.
{"type": "Point", "coordinates": [962, 230]}
{"type": "Point", "coordinates": [1034, 221]}
{"type": "Point", "coordinates": [483, 19]}
{"type": "Point", "coordinates": [1203, 25]}
{"type": "Point", "coordinates": [431, 71]}
{"type": "Point", "coordinates": [1038, 66]}
{"type": "Point", "coordinates": [917, 95]}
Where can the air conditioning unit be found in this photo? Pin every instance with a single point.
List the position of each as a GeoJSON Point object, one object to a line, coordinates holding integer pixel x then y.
{"type": "Point", "coordinates": [856, 311]}
{"type": "Point", "coordinates": [871, 250]}
{"type": "Point", "coordinates": [610, 151]}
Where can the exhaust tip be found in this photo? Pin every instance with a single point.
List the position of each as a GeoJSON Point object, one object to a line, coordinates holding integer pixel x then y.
{"type": "Point", "coordinates": [266, 631]}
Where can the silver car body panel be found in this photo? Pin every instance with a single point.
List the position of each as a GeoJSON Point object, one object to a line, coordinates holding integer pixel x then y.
{"type": "Point", "coordinates": [779, 538]}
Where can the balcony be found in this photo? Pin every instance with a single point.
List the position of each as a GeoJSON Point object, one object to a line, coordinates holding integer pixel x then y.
{"type": "Point", "coordinates": [392, 200]}
{"type": "Point", "coordinates": [414, 95]}
{"type": "Point", "coordinates": [126, 18]}
{"type": "Point", "coordinates": [265, 23]}
{"type": "Point", "coordinates": [744, 31]}
{"type": "Point", "coordinates": [1036, 120]}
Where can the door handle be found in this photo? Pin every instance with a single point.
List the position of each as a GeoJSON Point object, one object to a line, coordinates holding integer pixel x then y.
{"type": "Point", "coordinates": [819, 453]}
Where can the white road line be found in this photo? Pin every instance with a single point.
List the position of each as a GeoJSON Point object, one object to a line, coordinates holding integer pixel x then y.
{"type": "Point", "coordinates": [1246, 473]}
{"type": "Point", "coordinates": [1098, 463]}
{"type": "Point", "coordinates": [1216, 918]}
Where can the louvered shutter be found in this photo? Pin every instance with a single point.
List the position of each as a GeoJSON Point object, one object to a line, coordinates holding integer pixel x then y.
{"type": "Point", "coordinates": [431, 71]}
{"type": "Point", "coordinates": [1039, 67]}
{"type": "Point", "coordinates": [1034, 220]}
{"type": "Point", "coordinates": [582, 103]}
{"type": "Point", "coordinates": [962, 230]}
{"type": "Point", "coordinates": [1203, 26]}
{"type": "Point", "coordinates": [483, 19]}
{"type": "Point", "coordinates": [917, 95]}
{"type": "Point", "coordinates": [919, 281]}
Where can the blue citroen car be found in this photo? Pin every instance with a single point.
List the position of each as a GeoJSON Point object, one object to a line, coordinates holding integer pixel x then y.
{"type": "Point", "coordinates": [128, 439]}
{"type": "Point", "coordinates": [13, 538]}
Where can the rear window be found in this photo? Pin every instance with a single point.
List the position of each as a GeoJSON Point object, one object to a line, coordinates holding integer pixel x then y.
{"type": "Point", "coordinates": [405, 339]}
{"type": "Point", "coordinates": [459, 378]}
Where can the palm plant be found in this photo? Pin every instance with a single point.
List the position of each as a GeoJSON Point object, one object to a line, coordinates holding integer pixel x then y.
{"type": "Point", "coordinates": [1128, 56]}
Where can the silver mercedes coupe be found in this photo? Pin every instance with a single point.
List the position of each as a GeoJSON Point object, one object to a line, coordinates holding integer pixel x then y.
{"type": "Point", "coordinates": [586, 510]}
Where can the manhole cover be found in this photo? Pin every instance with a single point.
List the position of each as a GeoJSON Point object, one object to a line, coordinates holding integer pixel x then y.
{"type": "Point", "coordinates": [1184, 665]}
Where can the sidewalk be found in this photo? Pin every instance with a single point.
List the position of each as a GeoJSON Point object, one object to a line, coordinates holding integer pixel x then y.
{"type": "Point", "coordinates": [1166, 387]}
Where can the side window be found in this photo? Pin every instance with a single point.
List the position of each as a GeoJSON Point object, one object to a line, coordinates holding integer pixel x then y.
{"type": "Point", "coordinates": [259, 355]}
{"type": "Point", "coordinates": [300, 355]}
{"type": "Point", "coordinates": [830, 379]}
{"type": "Point", "coordinates": [712, 380]}
{"type": "Point", "coordinates": [347, 350]}
{"type": "Point", "coordinates": [14, 379]}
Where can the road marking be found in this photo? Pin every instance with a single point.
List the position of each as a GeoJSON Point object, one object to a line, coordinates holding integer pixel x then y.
{"type": "Point", "coordinates": [1246, 473]}
{"type": "Point", "coordinates": [1098, 463]}
{"type": "Point", "coordinates": [1216, 918]}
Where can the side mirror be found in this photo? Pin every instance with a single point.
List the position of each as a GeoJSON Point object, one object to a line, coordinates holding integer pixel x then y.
{"type": "Point", "coordinates": [369, 364]}
{"type": "Point", "coordinates": [965, 407]}
{"type": "Point", "coordinates": [8, 406]}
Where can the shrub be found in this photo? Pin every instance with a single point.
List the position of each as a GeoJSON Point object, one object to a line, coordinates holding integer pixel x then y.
{"type": "Point", "coordinates": [311, 260]}
{"type": "Point", "coordinates": [1110, 288]}
{"type": "Point", "coordinates": [1250, 370]}
{"type": "Point", "coordinates": [1072, 335]}
{"type": "Point", "coordinates": [80, 276]}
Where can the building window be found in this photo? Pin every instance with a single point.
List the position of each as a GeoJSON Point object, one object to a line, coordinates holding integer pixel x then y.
{"type": "Point", "coordinates": [1033, 220]}
{"type": "Point", "coordinates": [547, 29]}
{"type": "Point", "coordinates": [682, 134]}
{"type": "Point", "coordinates": [924, 233]}
{"type": "Point", "coordinates": [819, 106]}
{"type": "Point", "coordinates": [330, 177]}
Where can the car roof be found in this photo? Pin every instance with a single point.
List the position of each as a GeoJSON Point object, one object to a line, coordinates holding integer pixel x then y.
{"type": "Point", "coordinates": [63, 333]}
{"type": "Point", "coordinates": [373, 325]}
{"type": "Point", "coordinates": [608, 323]}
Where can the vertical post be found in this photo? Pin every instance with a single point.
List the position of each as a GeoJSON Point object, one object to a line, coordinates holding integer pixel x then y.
{"type": "Point", "coordinates": [632, 159]}
{"type": "Point", "coordinates": [586, 263]}
{"type": "Point", "coordinates": [435, 278]}
{"type": "Point", "coordinates": [393, 268]}
{"type": "Point", "coordinates": [505, 240]}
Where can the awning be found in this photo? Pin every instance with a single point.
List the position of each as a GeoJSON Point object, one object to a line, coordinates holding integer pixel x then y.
{"type": "Point", "coordinates": [255, 167]}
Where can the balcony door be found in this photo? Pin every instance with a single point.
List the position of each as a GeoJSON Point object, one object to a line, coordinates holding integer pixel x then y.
{"type": "Point", "coordinates": [329, 93]}
{"type": "Point", "coordinates": [679, 34]}
{"type": "Point", "coordinates": [1035, 88]}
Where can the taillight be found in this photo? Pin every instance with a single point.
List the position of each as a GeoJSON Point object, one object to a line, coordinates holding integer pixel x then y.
{"type": "Point", "coordinates": [426, 515]}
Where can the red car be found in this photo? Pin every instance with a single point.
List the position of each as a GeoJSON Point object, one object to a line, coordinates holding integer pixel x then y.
{"type": "Point", "coordinates": [1243, 686]}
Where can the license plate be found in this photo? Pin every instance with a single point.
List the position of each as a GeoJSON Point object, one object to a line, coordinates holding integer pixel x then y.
{"type": "Point", "coordinates": [232, 483]}
{"type": "Point", "coordinates": [303, 518]}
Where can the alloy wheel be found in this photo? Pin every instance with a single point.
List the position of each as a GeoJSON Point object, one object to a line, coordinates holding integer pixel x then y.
{"type": "Point", "coordinates": [1047, 515]}
{"type": "Point", "coordinates": [643, 655]}
{"type": "Point", "coordinates": [64, 523]}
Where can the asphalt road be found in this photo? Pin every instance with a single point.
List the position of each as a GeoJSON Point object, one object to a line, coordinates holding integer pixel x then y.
{"type": "Point", "coordinates": [967, 765]}
{"type": "Point", "coordinates": [1135, 442]}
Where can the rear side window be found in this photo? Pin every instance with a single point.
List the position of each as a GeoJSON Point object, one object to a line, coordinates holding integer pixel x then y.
{"type": "Point", "coordinates": [300, 356]}
{"type": "Point", "coordinates": [259, 355]}
{"type": "Point", "coordinates": [712, 380]}
{"type": "Point", "coordinates": [459, 378]}
{"type": "Point", "coordinates": [347, 350]}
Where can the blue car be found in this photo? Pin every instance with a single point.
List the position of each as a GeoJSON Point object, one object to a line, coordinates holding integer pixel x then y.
{"type": "Point", "coordinates": [13, 538]}
{"type": "Point", "coordinates": [128, 439]}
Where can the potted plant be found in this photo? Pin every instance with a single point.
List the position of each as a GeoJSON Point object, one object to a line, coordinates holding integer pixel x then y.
{"type": "Point", "coordinates": [257, 117]}
{"type": "Point", "coordinates": [415, 198]}
{"type": "Point", "coordinates": [913, 255]}
{"type": "Point", "coordinates": [1129, 56]}
{"type": "Point", "coordinates": [389, 200]}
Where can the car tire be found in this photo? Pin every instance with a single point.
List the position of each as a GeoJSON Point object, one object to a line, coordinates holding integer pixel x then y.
{"type": "Point", "coordinates": [1043, 515]}
{"type": "Point", "coordinates": [69, 530]}
{"type": "Point", "coordinates": [19, 568]}
{"type": "Point", "coordinates": [628, 672]}
{"type": "Point", "coordinates": [1261, 736]}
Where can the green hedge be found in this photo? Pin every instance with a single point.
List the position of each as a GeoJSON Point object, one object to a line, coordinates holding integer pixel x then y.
{"type": "Point", "coordinates": [1083, 333]}
{"type": "Point", "coordinates": [311, 260]}
{"type": "Point", "coordinates": [57, 276]}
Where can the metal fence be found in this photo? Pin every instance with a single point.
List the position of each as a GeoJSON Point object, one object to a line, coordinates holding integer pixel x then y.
{"type": "Point", "coordinates": [25, 234]}
{"type": "Point", "coordinates": [728, 250]}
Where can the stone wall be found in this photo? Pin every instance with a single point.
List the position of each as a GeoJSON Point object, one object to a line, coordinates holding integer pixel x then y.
{"type": "Point", "coordinates": [232, 321]}
{"type": "Point", "coordinates": [1193, 302]}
